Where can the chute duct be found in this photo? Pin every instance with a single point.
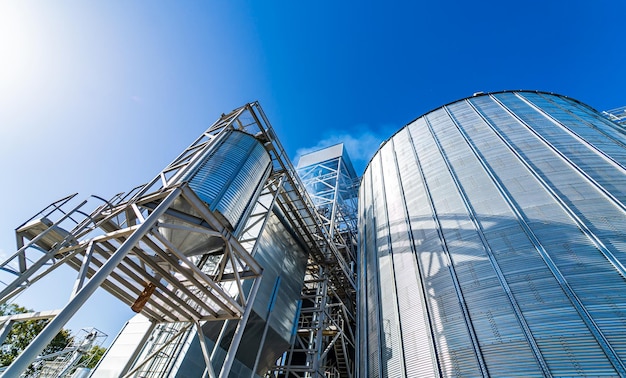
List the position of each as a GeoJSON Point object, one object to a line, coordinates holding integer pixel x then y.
{"type": "Point", "coordinates": [229, 177]}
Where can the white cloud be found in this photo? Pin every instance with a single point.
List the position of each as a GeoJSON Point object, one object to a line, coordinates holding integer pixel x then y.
{"type": "Point", "coordinates": [360, 145]}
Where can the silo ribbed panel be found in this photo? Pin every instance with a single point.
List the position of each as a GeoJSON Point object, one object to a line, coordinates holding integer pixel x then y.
{"type": "Point", "coordinates": [493, 237]}
{"type": "Point", "coordinates": [230, 174]}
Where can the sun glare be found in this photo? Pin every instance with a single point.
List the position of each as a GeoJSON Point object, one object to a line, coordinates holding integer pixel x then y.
{"type": "Point", "coordinates": [22, 49]}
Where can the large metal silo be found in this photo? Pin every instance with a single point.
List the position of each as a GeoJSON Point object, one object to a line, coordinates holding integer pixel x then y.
{"type": "Point", "coordinates": [212, 252]}
{"type": "Point", "coordinates": [230, 173]}
{"type": "Point", "coordinates": [227, 177]}
{"type": "Point", "coordinates": [492, 242]}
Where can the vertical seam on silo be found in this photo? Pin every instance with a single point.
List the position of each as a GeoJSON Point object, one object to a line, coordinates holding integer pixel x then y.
{"type": "Point", "coordinates": [617, 264]}
{"type": "Point", "coordinates": [496, 266]}
{"type": "Point", "coordinates": [580, 308]}
{"type": "Point", "coordinates": [393, 267]}
{"type": "Point", "coordinates": [593, 113]}
{"type": "Point", "coordinates": [362, 308]}
{"type": "Point", "coordinates": [593, 182]}
{"type": "Point", "coordinates": [417, 260]}
{"type": "Point", "coordinates": [377, 277]}
{"type": "Point", "coordinates": [455, 280]}
{"type": "Point", "coordinates": [397, 168]}
{"type": "Point", "coordinates": [605, 121]}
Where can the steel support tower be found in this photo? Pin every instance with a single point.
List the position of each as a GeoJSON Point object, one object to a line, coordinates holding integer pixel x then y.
{"type": "Point", "coordinates": [120, 245]}
{"type": "Point", "coordinates": [65, 361]}
{"type": "Point", "coordinates": [324, 343]}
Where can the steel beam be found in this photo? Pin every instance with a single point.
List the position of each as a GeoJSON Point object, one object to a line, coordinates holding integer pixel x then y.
{"type": "Point", "coordinates": [20, 364]}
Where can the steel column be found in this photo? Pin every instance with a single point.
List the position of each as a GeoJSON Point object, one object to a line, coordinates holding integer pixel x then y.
{"type": "Point", "coordinates": [43, 339]}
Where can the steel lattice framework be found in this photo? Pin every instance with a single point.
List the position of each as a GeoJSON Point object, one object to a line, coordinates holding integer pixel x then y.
{"type": "Point", "coordinates": [325, 340]}
{"type": "Point", "coordinates": [118, 244]}
{"type": "Point", "coordinates": [617, 115]}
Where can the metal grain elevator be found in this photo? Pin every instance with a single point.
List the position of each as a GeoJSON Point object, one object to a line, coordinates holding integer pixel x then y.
{"type": "Point", "coordinates": [214, 254]}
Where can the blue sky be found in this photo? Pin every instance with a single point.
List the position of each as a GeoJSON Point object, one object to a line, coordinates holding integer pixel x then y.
{"type": "Point", "coordinates": [97, 97]}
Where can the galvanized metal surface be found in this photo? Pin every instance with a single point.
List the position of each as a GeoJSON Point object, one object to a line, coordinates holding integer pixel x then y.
{"type": "Point", "coordinates": [492, 232]}
{"type": "Point", "coordinates": [324, 341]}
{"type": "Point", "coordinates": [186, 262]}
{"type": "Point", "coordinates": [229, 175]}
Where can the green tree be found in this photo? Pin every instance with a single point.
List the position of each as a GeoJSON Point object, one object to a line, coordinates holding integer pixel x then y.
{"type": "Point", "coordinates": [91, 358]}
{"type": "Point", "coordinates": [22, 333]}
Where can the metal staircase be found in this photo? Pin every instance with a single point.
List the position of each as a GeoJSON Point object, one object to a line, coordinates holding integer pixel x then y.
{"type": "Point", "coordinates": [119, 245]}
{"type": "Point", "coordinates": [324, 341]}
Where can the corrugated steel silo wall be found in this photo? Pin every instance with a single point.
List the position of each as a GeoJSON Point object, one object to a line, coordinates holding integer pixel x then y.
{"type": "Point", "coordinates": [492, 238]}
{"type": "Point", "coordinates": [284, 261]}
{"type": "Point", "coordinates": [229, 175]}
